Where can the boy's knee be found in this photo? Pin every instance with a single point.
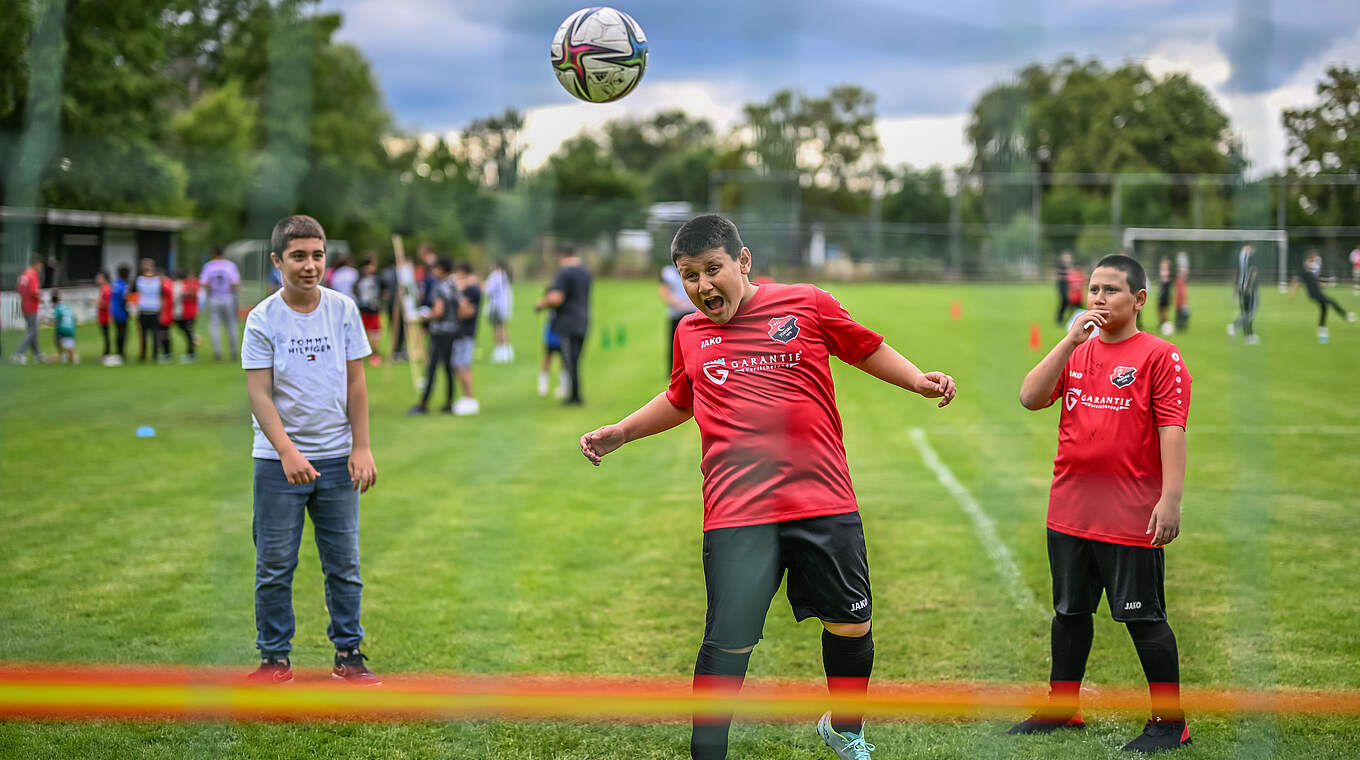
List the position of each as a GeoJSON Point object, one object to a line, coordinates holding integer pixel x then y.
{"type": "Point", "coordinates": [848, 630]}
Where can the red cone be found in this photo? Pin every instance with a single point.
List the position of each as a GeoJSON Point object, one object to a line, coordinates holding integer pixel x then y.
{"type": "Point", "coordinates": [1034, 336]}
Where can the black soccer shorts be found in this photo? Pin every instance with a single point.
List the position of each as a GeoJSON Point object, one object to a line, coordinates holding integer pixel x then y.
{"type": "Point", "coordinates": [1131, 577]}
{"type": "Point", "coordinates": [827, 565]}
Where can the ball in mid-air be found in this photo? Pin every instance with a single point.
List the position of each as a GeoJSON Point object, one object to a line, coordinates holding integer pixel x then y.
{"type": "Point", "coordinates": [599, 54]}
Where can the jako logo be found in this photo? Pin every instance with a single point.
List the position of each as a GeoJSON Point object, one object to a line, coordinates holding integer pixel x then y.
{"type": "Point", "coordinates": [1073, 396]}
{"type": "Point", "coordinates": [1123, 377]}
{"type": "Point", "coordinates": [1133, 605]}
{"type": "Point", "coordinates": [716, 370]}
{"type": "Point", "coordinates": [861, 604]}
{"type": "Point", "coordinates": [1076, 375]}
{"type": "Point", "coordinates": [784, 329]}
{"type": "Point", "coordinates": [706, 342]}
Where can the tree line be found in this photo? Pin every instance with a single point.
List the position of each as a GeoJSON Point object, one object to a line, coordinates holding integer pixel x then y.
{"type": "Point", "coordinates": [235, 112]}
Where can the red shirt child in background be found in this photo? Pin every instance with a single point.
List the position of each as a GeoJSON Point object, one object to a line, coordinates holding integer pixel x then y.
{"type": "Point", "coordinates": [1116, 495]}
{"type": "Point", "coordinates": [180, 308]}
{"type": "Point", "coordinates": [101, 279]}
{"type": "Point", "coordinates": [752, 368]}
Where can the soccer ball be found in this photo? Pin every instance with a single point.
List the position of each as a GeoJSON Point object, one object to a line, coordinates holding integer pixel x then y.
{"type": "Point", "coordinates": [599, 54]}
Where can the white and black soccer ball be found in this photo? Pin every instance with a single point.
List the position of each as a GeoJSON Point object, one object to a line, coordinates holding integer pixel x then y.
{"type": "Point", "coordinates": [599, 54]}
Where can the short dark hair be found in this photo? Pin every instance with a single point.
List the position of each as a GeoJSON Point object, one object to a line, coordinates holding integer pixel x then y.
{"type": "Point", "coordinates": [217, 251]}
{"type": "Point", "coordinates": [124, 271]}
{"type": "Point", "coordinates": [56, 296]}
{"type": "Point", "coordinates": [566, 249]}
{"type": "Point", "coordinates": [290, 228]}
{"type": "Point", "coordinates": [1133, 271]}
{"type": "Point", "coordinates": [443, 263]}
{"type": "Point", "coordinates": [463, 267]}
{"type": "Point", "coordinates": [36, 258]}
{"type": "Point", "coordinates": [704, 233]}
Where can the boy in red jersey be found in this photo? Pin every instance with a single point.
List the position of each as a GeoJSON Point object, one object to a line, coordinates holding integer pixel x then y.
{"type": "Point", "coordinates": [1116, 495]}
{"type": "Point", "coordinates": [751, 367]}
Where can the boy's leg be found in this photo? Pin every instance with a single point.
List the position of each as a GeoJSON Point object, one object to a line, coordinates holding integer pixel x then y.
{"type": "Point", "coordinates": [104, 331]}
{"type": "Point", "coordinates": [1135, 588]}
{"type": "Point", "coordinates": [572, 346]}
{"type": "Point", "coordinates": [742, 570]}
{"type": "Point", "coordinates": [187, 327]}
{"type": "Point", "coordinates": [120, 338]}
{"type": "Point", "coordinates": [335, 520]}
{"type": "Point", "coordinates": [829, 580]}
{"type": "Point", "coordinates": [215, 319]}
{"type": "Point", "coordinates": [277, 531]}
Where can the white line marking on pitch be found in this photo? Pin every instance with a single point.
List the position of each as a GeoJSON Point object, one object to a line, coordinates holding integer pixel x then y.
{"type": "Point", "coordinates": [983, 526]}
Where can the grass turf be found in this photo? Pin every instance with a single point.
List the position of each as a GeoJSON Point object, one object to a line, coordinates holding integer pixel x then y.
{"type": "Point", "coordinates": [489, 545]}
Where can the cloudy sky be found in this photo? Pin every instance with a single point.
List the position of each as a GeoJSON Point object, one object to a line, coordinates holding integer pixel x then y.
{"type": "Point", "coordinates": [442, 63]}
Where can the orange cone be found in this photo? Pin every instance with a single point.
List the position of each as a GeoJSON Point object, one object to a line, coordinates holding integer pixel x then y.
{"type": "Point", "coordinates": [1034, 336]}
{"type": "Point", "coordinates": [955, 311]}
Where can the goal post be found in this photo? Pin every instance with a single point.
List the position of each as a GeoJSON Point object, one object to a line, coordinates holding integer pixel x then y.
{"type": "Point", "coordinates": [1279, 237]}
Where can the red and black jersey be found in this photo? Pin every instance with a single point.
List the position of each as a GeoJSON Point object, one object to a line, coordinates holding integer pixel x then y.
{"type": "Point", "coordinates": [762, 394]}
{"type": "Point", "coordinates": [1107, 475]}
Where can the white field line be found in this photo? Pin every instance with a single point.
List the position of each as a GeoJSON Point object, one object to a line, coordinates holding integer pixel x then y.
{"type": "Point", "coordinates": [983, 526]}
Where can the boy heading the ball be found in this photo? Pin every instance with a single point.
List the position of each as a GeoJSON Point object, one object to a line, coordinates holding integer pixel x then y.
{"type": "Point", "coordinates": [752, 368]}
{"type": "Point", "coordinates": [1116, 494]}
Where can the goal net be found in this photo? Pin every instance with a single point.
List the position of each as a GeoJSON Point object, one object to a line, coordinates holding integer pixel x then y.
{"type": "Point", "coordinates": [1278, 237]}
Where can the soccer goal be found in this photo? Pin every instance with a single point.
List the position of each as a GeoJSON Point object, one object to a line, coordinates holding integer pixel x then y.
{"type": "Point", "coordinates": [1278, 237]}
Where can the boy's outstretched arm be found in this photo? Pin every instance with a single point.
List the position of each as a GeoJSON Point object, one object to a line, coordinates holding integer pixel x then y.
{"type": "Point", "coordinates": [657, 415]}
{"type": "Point", "coordinates": [891, 367]}
{"type": "Point", "coordinates": [1165, 523]}
{"type": "Point", "coordinates": [1036, 392]}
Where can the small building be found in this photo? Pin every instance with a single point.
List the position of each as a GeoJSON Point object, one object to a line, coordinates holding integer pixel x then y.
{"type": "Point", "coordinates": [77, 244]}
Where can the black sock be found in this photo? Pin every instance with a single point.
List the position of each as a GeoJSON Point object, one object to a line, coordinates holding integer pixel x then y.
{"type": "Point", "coordinates": [1071, 645]}
{"type": "Point", "coordinates": [849, 661]}
{"type": "Point", "coordinates": [720, 671]}
{"type": "Point", "coordinates": [1156, 645]}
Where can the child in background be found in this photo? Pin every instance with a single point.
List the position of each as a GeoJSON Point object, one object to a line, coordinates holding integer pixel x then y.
{"type": "Point", "coordinates": [101, 279]}
{"type": "Point", "coordinates": [1182, 298]}
{"type": "Point", "coordinates": [180, 308]}
{"type": "Point", "coordinates": [65, 321]}
{"type": "Point", "coordinates": [118, 309]}
{"type": "Point", "coordinates": [500, 303]}
{"type": "Point", "coordinates": [368, 296]}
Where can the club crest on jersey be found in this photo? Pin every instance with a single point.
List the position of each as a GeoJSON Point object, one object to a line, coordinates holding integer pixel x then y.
{"type": "Point", "coordinates": [784, 329]}
{"type": "Point", "coordinates": [716, 370]}
{"type": "Point", "coordinates": [1123, 377]}
{"type": "Point", "coordinates": [1073, 396]}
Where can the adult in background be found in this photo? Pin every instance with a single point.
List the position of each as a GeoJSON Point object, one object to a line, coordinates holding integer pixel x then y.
{"type": "Point", "coordinates": [1246, 287]}
{"type": "Point", "coordinates": [345, 277]}
{"type": "Point", "coordinates": [1064, 301]}
{"type": "Point", "coordinates": [569, 296]}
{"type": "Point", "coordinates": [30, 300]}
{"type": "Point", "coordinates": [1311, 274]}
{"type": "Point", "coordinates": [672, 293]}
{"type": "Point", "coordinates": [220, 282]}
{"type": "Point", "coordinates": [500, 303]}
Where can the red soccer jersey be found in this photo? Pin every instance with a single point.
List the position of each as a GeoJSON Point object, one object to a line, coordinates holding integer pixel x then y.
{"type": "Point", "coordinates": [761, 390]}
{"type": "Point", "coordinates": [1107, 475]}
{"type": "Point", "coordinates": [30, 294]}
{"type": "Point", "coordinates": [105, 295]}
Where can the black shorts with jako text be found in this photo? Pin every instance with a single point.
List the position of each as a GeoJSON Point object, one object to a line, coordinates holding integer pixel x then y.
{"type": "Point", "coordinates": [1130, 576]}
{"type": "Point", "coordinates": [827, 565]}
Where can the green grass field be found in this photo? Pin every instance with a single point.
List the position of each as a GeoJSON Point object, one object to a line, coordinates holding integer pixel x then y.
{"type": "Point", "coordinates": [491, 546]}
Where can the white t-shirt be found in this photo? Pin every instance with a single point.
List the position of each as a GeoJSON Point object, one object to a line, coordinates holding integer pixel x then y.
{"type": "Point", "coordinates": [308, 353]}
{"type": "Point", "coordinates": [1355, 259]}
{"type": "Point", "coordinates": [343, 281]}
{"type": "Point", "coordinates": [148, 294]}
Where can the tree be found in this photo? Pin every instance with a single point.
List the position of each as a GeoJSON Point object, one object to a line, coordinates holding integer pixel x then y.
{"type": "Point", "coordinates": [593, 195]}
{"type": "Point", "coordinates": [493, 146]}
{"type": "Point", "coordinates": [1325, 139]}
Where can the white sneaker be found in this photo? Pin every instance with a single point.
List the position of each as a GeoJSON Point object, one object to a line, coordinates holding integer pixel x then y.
{"type": "Point", "coordinates": [1350, 316]}
{"type": "Point", "coordinates": [847, 746]}
{"type": "Point", "coordinates": [465, 406]}
{"type": "Point", "coordinates": [1323, 337]}
{"type": "Point", "coordinates": [1253, 340]}
{"type": "Point", "coordinates": [509, 353]}
{"type": "Point", "coordinates": [1167, 328]}
{"type": "Point", "coordinates": [19, 359]}
{"type": "Point", "coordinates": [1232, 329]}
{"type": "Point", "coordinates": [542, 384]}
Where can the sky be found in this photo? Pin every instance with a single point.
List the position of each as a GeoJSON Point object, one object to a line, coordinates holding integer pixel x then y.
{"type": "Point", "coordinates": [443, 63]}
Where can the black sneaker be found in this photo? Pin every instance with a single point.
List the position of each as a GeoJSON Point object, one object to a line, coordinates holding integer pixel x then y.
{"type": "Point", "coordinates": [1046, 722]}
{"type": "Point", "coordinates": [349, 666]}
{"type": "Point", "coordinates": [446, 409]}
{"type": "Point", "coordinates": [417, 411]}
{"type": "Point", "coordinates": [1161, 735]}
{"type": "Point", "coordinates": [272, 670]}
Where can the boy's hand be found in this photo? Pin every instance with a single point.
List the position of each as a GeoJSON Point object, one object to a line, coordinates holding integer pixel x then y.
{"type": "Point", "coordinates": [298, 470]}
{"type": "Point", "coordinates": [601, 441]}
{"type": "Point", "coordinates": [362, 471]}
{"type": "Point", "coordinates": [937, 385]}
{"type": "Point", "coordinates": [1079, 334]}
{"type": "Point", "coordinates": [1165, 523]}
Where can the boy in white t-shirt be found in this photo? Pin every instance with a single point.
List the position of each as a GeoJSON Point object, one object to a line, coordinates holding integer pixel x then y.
{"type": "Point", "coordinates": [303, 354]}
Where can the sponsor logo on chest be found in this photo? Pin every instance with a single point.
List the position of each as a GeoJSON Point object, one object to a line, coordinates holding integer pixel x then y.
{"type": "Point", "coordinates": [718, 370]}
{"type": "Point", "coordinates": [1123, 377]}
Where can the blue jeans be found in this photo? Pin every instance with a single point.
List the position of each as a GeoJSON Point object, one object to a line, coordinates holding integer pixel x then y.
{"type": "Point", "coordinates": [277, 530]}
